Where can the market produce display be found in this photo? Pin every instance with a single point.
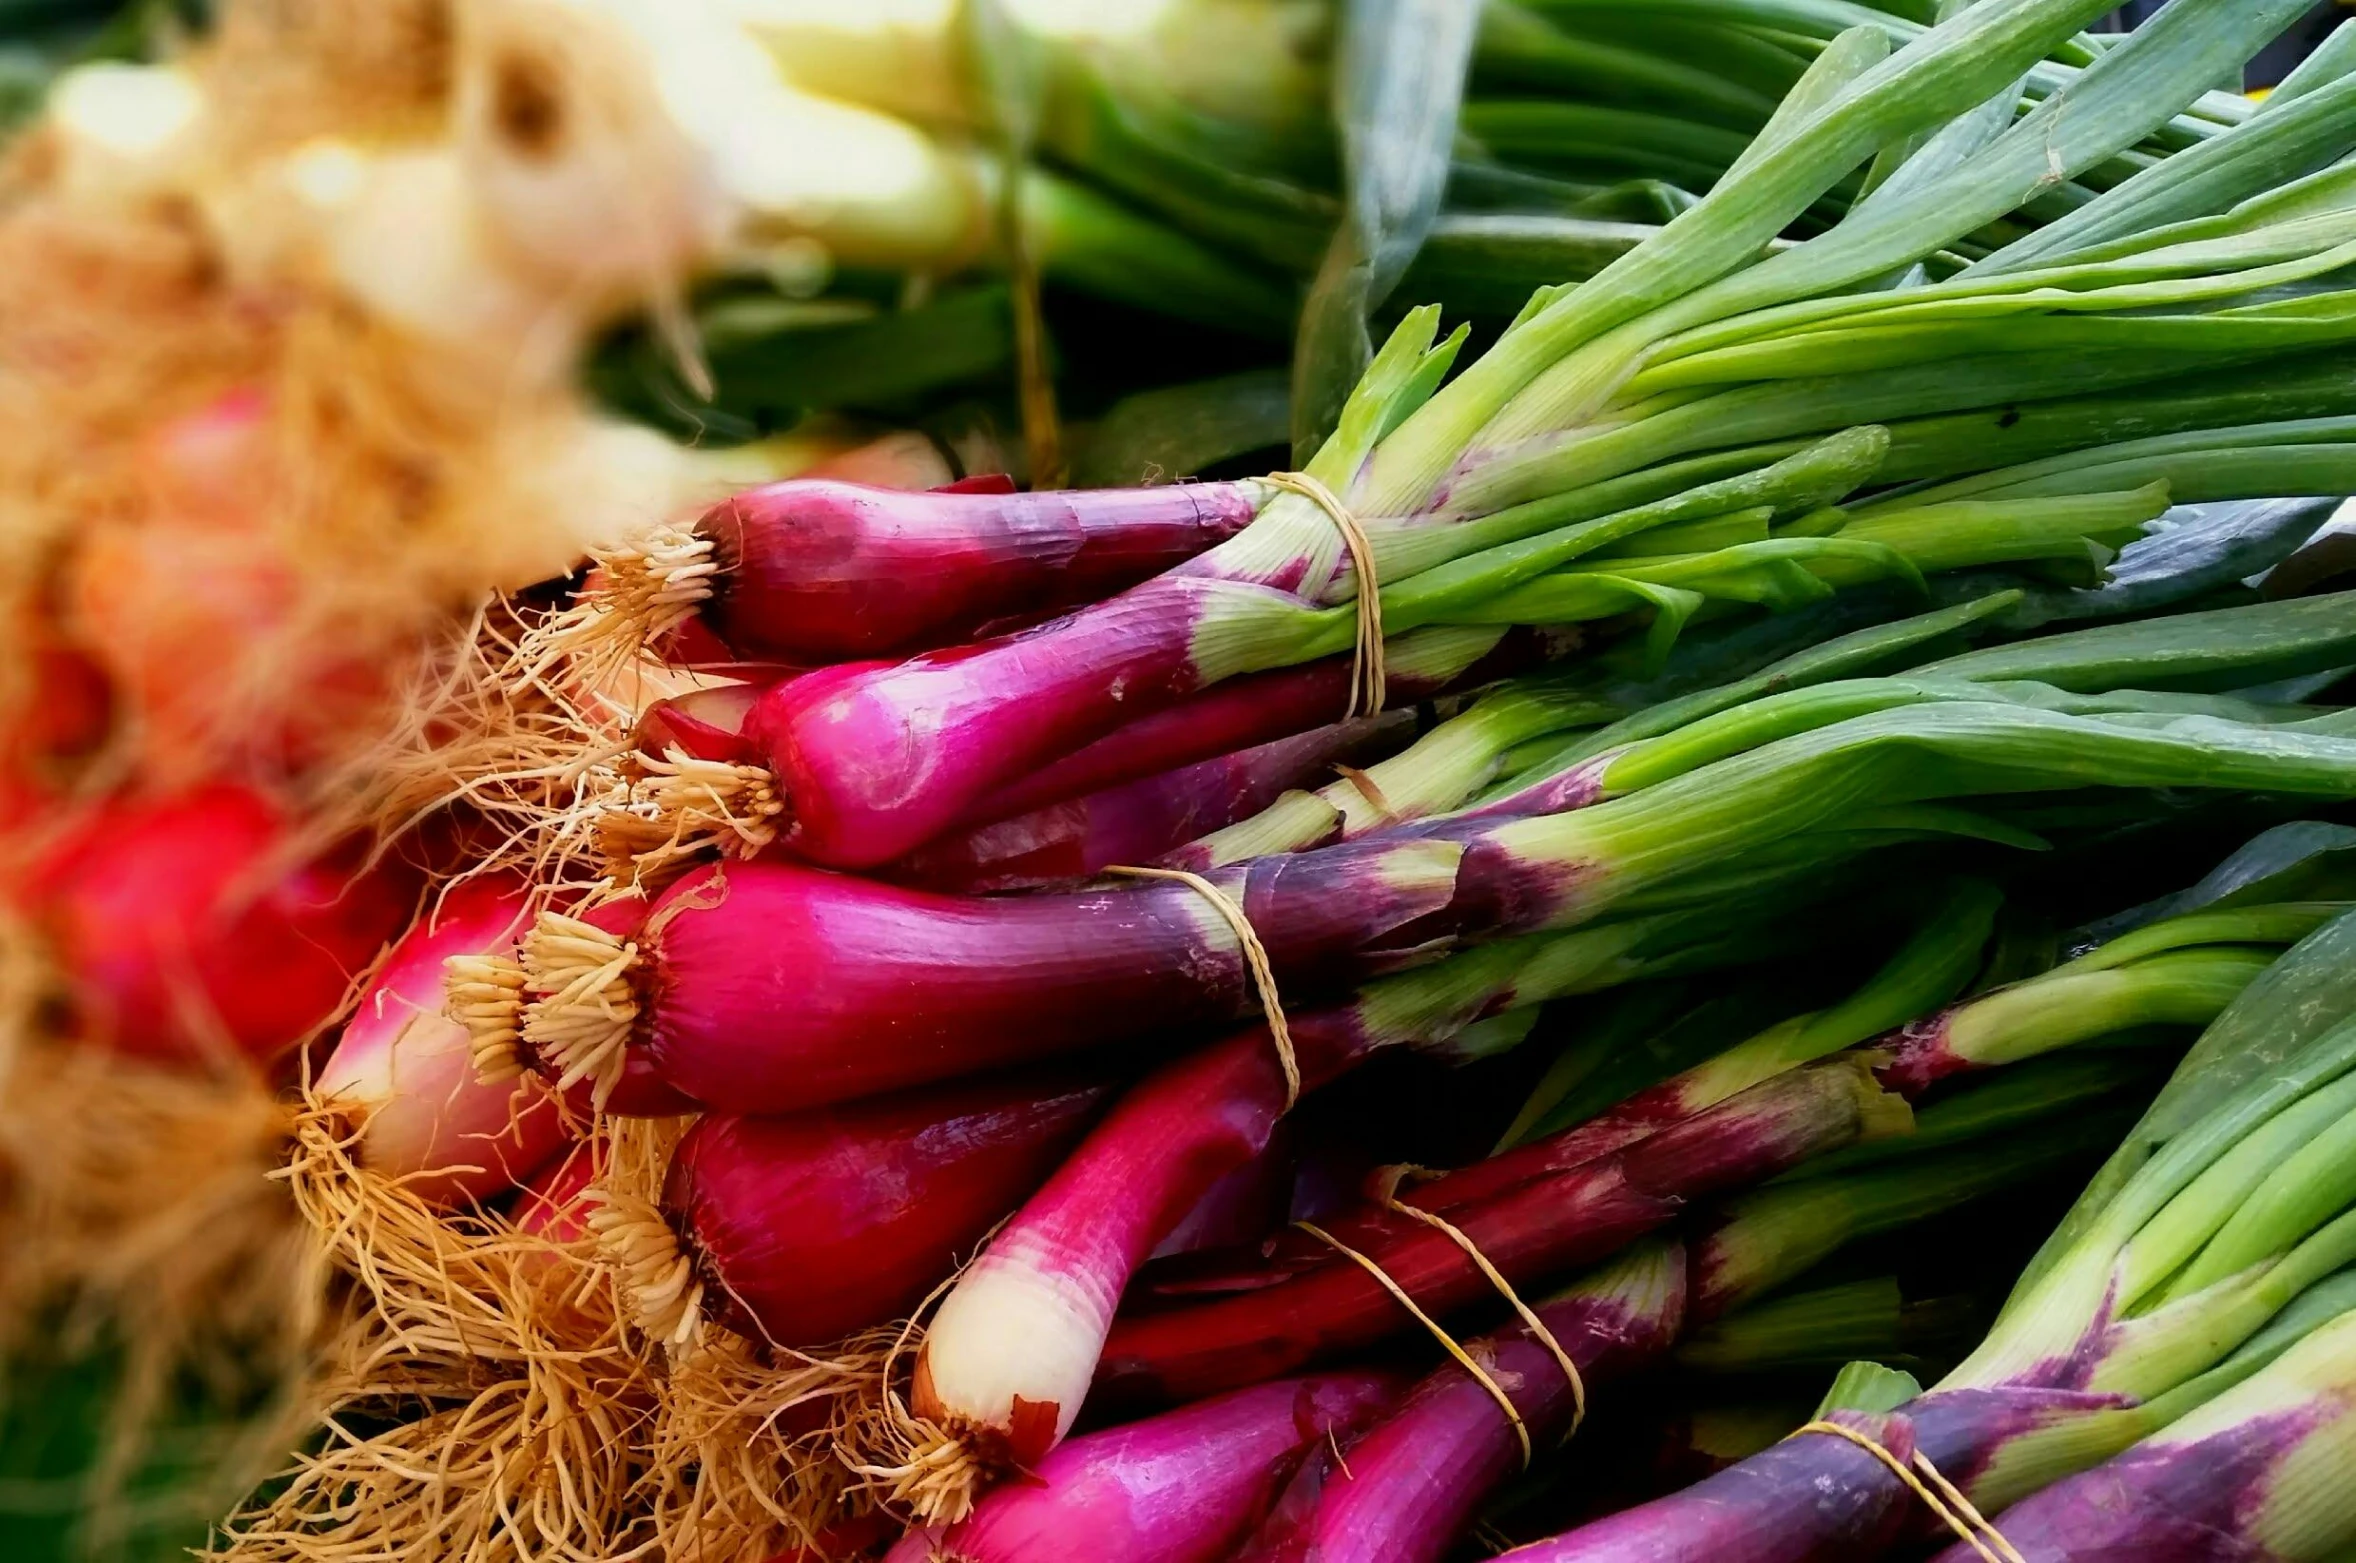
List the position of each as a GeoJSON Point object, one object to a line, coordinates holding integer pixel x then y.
{"type": "Point", "coordinates": [1176, 781]}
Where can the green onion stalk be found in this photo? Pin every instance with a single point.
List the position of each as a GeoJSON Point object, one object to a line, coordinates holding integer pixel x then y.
{"type": "Point", "coordinates": [1478, 497]}
{"type": "Point", "coordinates": [1505, 732]}
{"type": "Point", "coordinates": [2153, 672]}
{"type": "Point", "coordinates": [1502, 751]}
{"type": "Point", "coordinates": [2224, 1249]}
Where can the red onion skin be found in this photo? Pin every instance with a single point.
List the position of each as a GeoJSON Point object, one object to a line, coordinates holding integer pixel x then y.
{"type": "Point", "coordinates": [876, 763]}
{"type": "Point", "coordinates": [639, 1092]}
{"type": "Point", "coordinates": [1140, 821]}
{"type": "Point", "coordinates": [1237, 714]}
{"type": "Point", "coordinates": [1140, 1172]}
{"type": "Point", "coordinates": [1918, 1059]}
{"type": "Point", "coordinates": [1242, 712]}
{"type": "Point", "coordinates": [1646, 1113]}
{"type": "Point", "coordinates": [64, 716]}
{"type": "Point", "coordinates": [818, 571]}
{"type": "Point", "coordinates": [1539, 1229]}
{"type": "Point", "coordinates": [182, 928]}
{"type": "Point", "coordinates": [693, 643]}
{"type": "Point", "coordinates": [826, 1222]}
{"type": "Point", "coordinates": [774, 987]}
{"type": "Point", "coordinates": [202, 612]}
{"type": "Point", "coordinates": [1184, 1487]}
{"type": "Point", "coordinates": [405, 1071]}
{"type": "Point", "coordinates": [66, 708]}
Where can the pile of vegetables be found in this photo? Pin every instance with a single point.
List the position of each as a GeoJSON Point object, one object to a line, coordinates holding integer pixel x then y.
{"type": "Point", "coordinates": [685, 966]}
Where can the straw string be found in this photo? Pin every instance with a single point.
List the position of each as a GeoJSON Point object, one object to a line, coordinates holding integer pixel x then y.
{"type": "Point", "coordinates": [1448, 1342]}
{"type": "Point", "coordinates": [1529, 1316]}
{"type": "Point", "coordinates": [1947, 1503]}
{"type": "Point", "coordinates": [1367, 676]}
{"type": "Point", "coordinates": [1255, 960]}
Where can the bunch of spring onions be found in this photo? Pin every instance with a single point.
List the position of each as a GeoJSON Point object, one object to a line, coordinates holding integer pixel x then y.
{"type": "Point", "coordinates": [754, 1206]}
{"type": "Point", "coordinates": [1024, 1327]}
{"type": "Point", "coordinates": [1400, 1483]}
{"type": "Point", "coordinates": [2172, 975]}
{"type": "Point", "coordinates": [1680, 631]}
{"type": "Point", "coordinates": [1754, 805]}
{"type": "Point", "coordinates": [1411, 1479]}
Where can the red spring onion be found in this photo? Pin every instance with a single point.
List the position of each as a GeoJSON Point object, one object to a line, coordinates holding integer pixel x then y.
{"type": "Point", "coordinates": [205, 617]}
{"type": "Point", "coordinates": [1139, 821]}
{"type": "Point", "coordinates": [713, 780]}
{"type": "Point", "coordinates": [61, 713]}
{"type": "Point", "coordinates": [2258, 1473]}
{"type": "Point", "coordinates": [404, 1072]}
{"type": "Point", "coordinates": [187, 926]}
{"type": "Point", "coordinates": [1013, 1347]}
{"type": "Point", "coordinates": [709, 724]}
{"type": "Point", "coordinates": [866, 767]}
{"type": "Point", "coordinates": [815, 571]}
{"type": "Point", "coordinates": [1931, 965]}
{"type": "Point", "coordinates": [720, 990]}
{"type": "Point", "coordinates": [2192, 1273]}
{"type": "Point", "coordinates": [804, 1229]}
{"type": "Point", "coordinates": [1183, 1487]}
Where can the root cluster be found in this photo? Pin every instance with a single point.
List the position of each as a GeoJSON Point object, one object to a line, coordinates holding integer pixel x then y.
{"type": "Point", "coordinates": [486, 1393]}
